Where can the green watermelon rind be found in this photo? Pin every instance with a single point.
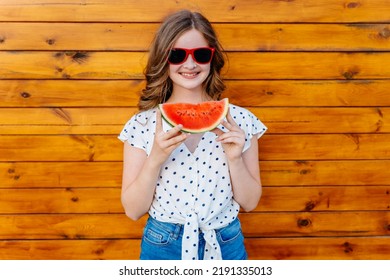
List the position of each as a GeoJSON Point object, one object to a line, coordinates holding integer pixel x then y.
{"type": "Point", "coordinates": [205, 129]}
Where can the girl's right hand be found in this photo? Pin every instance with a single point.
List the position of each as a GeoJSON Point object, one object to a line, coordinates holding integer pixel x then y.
{"type": "Point", "coordinates": [165, 142]}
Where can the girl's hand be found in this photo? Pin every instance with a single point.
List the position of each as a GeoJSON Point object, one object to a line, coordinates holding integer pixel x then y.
{"type": "Point", "coordinates": [165, 142]}
{"type": "Point", "coordinates": [232, 141]}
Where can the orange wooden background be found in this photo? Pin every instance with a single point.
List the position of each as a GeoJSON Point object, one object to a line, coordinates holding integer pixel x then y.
{"type": "Point", "coordinates": [317, 73]}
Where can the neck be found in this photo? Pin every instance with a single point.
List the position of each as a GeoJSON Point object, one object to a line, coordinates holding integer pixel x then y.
{"type": "Point", "coordinates": [188, 96]}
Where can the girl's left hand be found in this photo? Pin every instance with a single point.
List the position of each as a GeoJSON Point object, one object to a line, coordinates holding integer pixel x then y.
{"type": "Point", "coordinates": [233, 140]}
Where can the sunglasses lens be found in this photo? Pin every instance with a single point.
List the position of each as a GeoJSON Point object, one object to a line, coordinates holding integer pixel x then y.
{"type": "Point", "coordinates": [203, 55]}
{"type": "Point", "coordinates": [200, 55]}
{"type": "Point", "coordinates": [177, 56]}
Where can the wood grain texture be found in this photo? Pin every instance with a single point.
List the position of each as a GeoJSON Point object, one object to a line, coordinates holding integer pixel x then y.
{"type": "Point", "coordinates": [70, 77]}
{"type": "Point", "coordinates": [102, 200]}
{"type": "Point", "coordinates": [233, 36]}
{"type": "Point", "coordinates": [271, 147]}
{"type": "Point", "coordinates": [273, 173]}
{"type": "Point", "coordinates": [110, 121]}
{"type": "Point", "coordinates": [248, 93]}
{"type": "Point", "coordinates": [243, 65]}
{"type": "Point", "coordinates": [107, 249]}
{"type": "Point", "coordinates": [106, 226]}
{"type": "Point", "coordinates": [340, 248]}
{"type": "Point", "coordinates": [297, 248]}
{"type": "Point", "coordinates": [215, 11]}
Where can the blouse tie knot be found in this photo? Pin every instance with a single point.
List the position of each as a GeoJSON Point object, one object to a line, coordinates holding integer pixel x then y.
{"type": "Point", "coordinates": [190, 243]}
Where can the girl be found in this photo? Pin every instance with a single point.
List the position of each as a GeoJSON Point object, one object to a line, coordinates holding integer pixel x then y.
{"type": "Point", "coordinates": [192, 186]}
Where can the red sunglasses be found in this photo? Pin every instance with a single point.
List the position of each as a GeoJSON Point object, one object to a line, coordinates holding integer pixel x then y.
{"type": "Point", "coordinates": [200, 55]}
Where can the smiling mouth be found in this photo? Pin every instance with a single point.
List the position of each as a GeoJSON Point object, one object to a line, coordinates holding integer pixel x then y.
{"type": "Point", "coordinates": [190, 75]}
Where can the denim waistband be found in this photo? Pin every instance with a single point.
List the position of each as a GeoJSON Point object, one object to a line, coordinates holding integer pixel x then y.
{"type": "Point", "coordinates": [176, 230]}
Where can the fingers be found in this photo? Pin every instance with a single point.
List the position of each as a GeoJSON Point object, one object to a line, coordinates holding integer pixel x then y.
{"type": "Point", "coordinates": [229, 123]}
{"type": "Point", "coordinates": [231, 137]}
{"type": "Point", "coordinates": [158, 121]}
{"type": "Point", "coordinates": [159, 127]}
{"type": "Point", "coordinates": [231, 126]}
{"type": "Point", "coordinates": [173, 137]}
{"type": "Point", "coordinates": [217, 131]}
{"type": "Point", "coordinates": [230, 118]}
{"type": "Point", "coordinates": [175, 141]}
{"type": "Point", "coordinates": [170, 139]}
{"type": "Point", "coordinates": [234, 134]}
{"type": "Point", "coordinates": [227, 137]}
{"type": "Point", "coordinates": [173, 131]}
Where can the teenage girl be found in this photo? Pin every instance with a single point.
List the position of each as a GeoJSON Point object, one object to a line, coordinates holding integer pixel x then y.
{"type": "Point", "coordinates": [192, 186]}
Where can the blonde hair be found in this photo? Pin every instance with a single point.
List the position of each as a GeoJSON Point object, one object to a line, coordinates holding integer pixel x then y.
{"type": "Point", "coordinates": [158, 84]}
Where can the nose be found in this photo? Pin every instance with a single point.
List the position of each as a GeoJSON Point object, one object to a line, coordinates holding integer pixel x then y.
{"type": "Point", "coordinates": [190, 62]}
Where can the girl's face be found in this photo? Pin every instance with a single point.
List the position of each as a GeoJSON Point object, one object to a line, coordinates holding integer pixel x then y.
{"type": "Point", "coordinates": [189, 76]}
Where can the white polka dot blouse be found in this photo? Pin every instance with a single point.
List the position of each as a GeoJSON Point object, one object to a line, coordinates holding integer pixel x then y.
{"type": "Point", "coordinates": [193, 189]}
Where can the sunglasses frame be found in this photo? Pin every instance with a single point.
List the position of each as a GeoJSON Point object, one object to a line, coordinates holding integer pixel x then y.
{"type": "Point", "coordinates": [191, 52]}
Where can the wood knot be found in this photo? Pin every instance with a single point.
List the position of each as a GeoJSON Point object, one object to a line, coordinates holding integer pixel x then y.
{"type": "Point", "coordinates": [25, 94]}
{"type": "Point", "coordinates": [303, 222]}
{"type": "Point", "coordinates": [304, 171]}
{"type": "Point", "coordinates": [351, 73]}
{"type": "Point", "coordinates": [379, 124]}
{"type": "Point", "coordinates": [79, 57]}
{"type": "Point", "coordinates": [50, 41]}
{"type": "Point", "coordinates": [58, 55]}
{"type": "Point", "coordinates": [99, 252]}
{"type": "Point", "coordinates": [384, 33]}
{"type": "Point", "coordinates": [2, 39]}
{"type": "Point", "coordinates": [353, 5]}
{"type": "Point", "coordinates": [11, 170]}
{"type": "Point", "coordinates": [75, 199]}
{"type": "Point", "coordinates": [310, 206]}
{"type": "Point", "coordinates": [347, 247]}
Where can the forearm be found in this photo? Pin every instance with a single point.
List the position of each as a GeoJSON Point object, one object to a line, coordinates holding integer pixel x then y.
{"type": "Point", "coordinates": [138, 195]}
{"type": "Point", "coordinates": [247, 190]}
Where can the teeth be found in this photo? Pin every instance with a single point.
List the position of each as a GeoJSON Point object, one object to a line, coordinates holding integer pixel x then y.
{"type": "Point", "coordinates": [189, 74]}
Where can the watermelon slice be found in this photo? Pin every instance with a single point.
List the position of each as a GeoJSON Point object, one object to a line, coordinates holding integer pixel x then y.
{"type": "Point", "coordinates": [195, 118]}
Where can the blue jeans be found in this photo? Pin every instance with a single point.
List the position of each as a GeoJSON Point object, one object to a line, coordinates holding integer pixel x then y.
{"type": "Point", "coordinates": [162, 241]}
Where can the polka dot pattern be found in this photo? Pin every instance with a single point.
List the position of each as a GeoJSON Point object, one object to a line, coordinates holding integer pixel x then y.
{"type": "Point", "coordinates": [193, 189]}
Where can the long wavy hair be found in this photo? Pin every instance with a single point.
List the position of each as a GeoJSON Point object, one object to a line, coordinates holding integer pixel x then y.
{"type": "Point", "coordinates": [158, 84]}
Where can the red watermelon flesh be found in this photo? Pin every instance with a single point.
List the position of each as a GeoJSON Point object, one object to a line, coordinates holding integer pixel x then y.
{"type": "Point", "coordinates": [195, 118]}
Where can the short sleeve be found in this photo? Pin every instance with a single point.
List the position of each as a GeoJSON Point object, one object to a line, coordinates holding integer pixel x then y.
{"type": "Point", "coordinates": [248, 122]}
{"type": "Point", "coordinates": [135, 132]}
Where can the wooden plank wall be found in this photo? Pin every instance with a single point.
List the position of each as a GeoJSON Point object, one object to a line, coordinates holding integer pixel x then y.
{"type": "Point", "coordinates": [316, 72]}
